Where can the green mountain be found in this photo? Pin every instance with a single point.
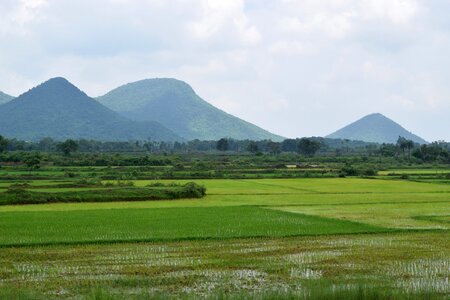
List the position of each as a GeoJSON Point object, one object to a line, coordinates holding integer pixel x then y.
{"type": "Point", "coordinates": [174, 104]}
{"type": "Point", "coordinates": [5, 98]}
{"type": "Point", "coordinates": [59, 110]}
{"type": "Point", "coordinates": [375, 128]}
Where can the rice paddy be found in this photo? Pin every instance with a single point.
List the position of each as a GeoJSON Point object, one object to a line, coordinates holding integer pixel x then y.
{"type": "Point", "coordinates": [252, 238]}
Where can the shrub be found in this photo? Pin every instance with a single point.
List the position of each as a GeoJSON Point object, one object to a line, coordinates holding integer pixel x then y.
{"type": "Point", "coordinates": [369, 172]}
{"type": "Point", "coordinates": [89, 181]}
{"type": "Point", "coordinates": [348, 170]}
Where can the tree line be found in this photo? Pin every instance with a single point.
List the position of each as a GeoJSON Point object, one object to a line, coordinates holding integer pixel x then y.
{"type": "Point", "coordinates": [309, 147]}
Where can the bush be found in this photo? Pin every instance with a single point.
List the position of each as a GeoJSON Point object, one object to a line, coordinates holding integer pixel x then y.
{"type": "Point", "coordinates": [191, 189]}
{"type": "Point", "coordinates": [348, 170]}
{"type": "Point", "coordinates": [89, 181]}
{"type": "Point", "coordinates": [369, 172]}
{"type": "Point", "coordinates": [174, 191]}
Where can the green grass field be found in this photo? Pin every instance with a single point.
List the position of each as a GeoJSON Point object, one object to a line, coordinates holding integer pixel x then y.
{"type": "Point", "coordinates": [118, 225]}
{"type": "Point", "coordinates": [249, 238]}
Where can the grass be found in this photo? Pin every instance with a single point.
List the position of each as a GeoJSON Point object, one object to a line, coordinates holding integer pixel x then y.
{"type": "Point", "coordinates": [401, 265]}
{"type": "Point", "coordinates": [414, 172]}
{"type": "Point", "coordinates": [118, 225]}
{"type": "Point", "coordinates": [310, 186]}
{"type": "Point", "coordinates": [391, 215]}
{"type": "Point", "coordinates": [331, 238]}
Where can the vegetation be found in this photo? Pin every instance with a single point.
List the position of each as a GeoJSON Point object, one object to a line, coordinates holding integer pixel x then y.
{"type": "Point", "coordinates": [17, 194]}
{"type": "Point", "coordinates": [119, 225]}
{"type": "Point", "coordinates": [308, 149]}
{"type": "Point", "coordinates": [275, 223]}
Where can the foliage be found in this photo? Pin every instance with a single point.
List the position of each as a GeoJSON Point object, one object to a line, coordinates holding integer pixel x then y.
{"type": "Point", "coordinates": [308, 147]}
{"type": "Point", "coordinates": [3, 144]}
{"type": "Point", "coordinates": [435, 152]}
{"type": "Point", "coordinates": [222, 144]}
{"type": "Point", "coordinates": [67, 147]}
{"type": "Point", "coordinates": [33, 161]}
{"type": "Point", "coordinates": [19, 195]}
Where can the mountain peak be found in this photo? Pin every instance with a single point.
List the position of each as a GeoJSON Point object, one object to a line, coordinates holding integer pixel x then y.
{"type": "Point", "coordinates": [175, 104]}
{"type": "Point", "coordinates": [58, 109]}
{"type": "Point", "coordinates": [376, 115]}
{"type": "Point", "coordinates": [376, 128]}
{"type": "Point", "coordinates": [58, 82]}
{"type": "Point", "coordinates": [55, 90]}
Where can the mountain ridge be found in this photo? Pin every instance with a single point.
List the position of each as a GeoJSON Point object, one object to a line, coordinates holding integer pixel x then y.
{"type": "Point", "coordinates": [190, 116]}
{"type": "Point", "coordinates": [376, 128]}
{"type": "Point", "coordinates": [5, 98]}
{"type": "Point", "coordinates": [58, 109]}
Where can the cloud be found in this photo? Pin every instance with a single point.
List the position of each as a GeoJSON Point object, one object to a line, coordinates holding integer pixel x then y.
{"type": "Point", "coordinates": [294, 67]}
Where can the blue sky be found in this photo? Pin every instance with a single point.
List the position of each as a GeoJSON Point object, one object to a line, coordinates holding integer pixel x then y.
{"type": "Point", "coordinates": [296, 68]}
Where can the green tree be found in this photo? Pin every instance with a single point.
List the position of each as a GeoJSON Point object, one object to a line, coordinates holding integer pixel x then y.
{"type": "Point", "coordinates": [68, 146]}
{"type": "Point", "coordinates": [274, 148]}
{"type": "Point", "coordinates": [3, 144]}
{"type": "Point", "coordinates": [222, 144]}
{"type": "Point", "coordinates": [252, 147]}
{"type": "Point", "coordinates": [402, 144]}
{"type": "Point", "coordinates": [33, 161]}
{"type": "Point", "coordinates": [308, 147]}
{"type": "Point", "coordinates": [410, 146]}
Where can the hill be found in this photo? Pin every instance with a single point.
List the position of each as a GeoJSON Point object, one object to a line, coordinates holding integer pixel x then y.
{"type": "Point", "coordinates": [59, 110]}
{"type": "Point", "coordinates": [5, 98]}
{"type": "Point", "coordinates": [375, 128]}
{"type": "Point", "coordinates": [174, 104]}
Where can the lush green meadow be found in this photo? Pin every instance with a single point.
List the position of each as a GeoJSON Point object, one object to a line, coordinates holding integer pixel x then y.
{"type": "Point", "coordinates": [262, 238]}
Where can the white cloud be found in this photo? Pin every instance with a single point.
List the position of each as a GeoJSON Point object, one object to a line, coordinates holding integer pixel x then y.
{"type": "Point", "coordinates": [294, 67]}
{"type": "Point", "coordinates": [218, 16]}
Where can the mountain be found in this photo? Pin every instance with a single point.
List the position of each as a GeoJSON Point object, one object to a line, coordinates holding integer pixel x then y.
{"type": "Point", "coordinates": [5, 98]}
{"type": "Point", "coordinates": [174, 104]}
{"type": "Point", "coordinates": [375, 128]}
{"type": "Point", "coordinates": [59, 110]}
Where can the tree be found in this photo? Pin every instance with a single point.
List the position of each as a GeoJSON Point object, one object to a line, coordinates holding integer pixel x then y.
{"type": "Point", "coordinates": [68, 147]}
{"type": "Point", "coordinates": [409, 145]}
{"type": "Point", "coordinates": [46, 144]}
{"type": "Point", "coordinates": [308, 147]}
{"type": "Point", "coordinates": [274, 148]}
{"type": "Point", "coordinates": [3, 144]}
{"type": "Point", "coordinates": [402, 143]}
{"type": "Point", "coordinates": [33, 161]}
{"type": "Point", "coordinates": [289, 145]}
{"type": "Point", "coordinates": [222, 144]}
{"type": "Point", "coordinates": [252, 147]}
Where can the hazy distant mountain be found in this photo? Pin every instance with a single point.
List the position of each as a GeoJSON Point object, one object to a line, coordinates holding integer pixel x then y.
{"type": "Point", "coordinates": [5, 98]}
{"type": "Point", "coordinates": [60, 110]}
{"type": "Point", "coordinates": [174, 104]}
{"type": "Point", "coordinates": [375, 128]}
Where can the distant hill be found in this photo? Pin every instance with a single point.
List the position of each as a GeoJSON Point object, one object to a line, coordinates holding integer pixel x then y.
{"type": "Point", "coordinates": [5, 98]}
{"type": "Point", "coordinates": [375, 128]}
{"type": "Point", "coordinates": [174, 104]}
{"type": "Point", "coordinates": [59, 110]}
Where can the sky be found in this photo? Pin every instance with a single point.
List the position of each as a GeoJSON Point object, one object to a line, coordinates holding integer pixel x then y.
{"type": "Point", "coordinates": [294, 67]}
